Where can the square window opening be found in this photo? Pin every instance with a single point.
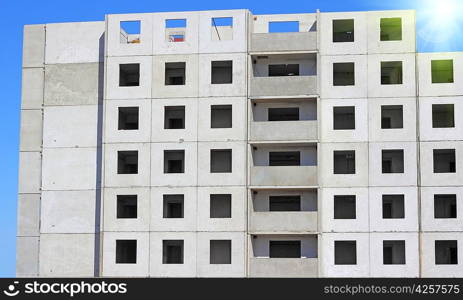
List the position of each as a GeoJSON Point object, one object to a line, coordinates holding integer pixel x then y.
{"type": "Point", "coordinates": [174, 117]}
{"type": "Point", "coordinates": [220, 252]}
{"type": "Point", "coordinates": [393, 206]}
{"type": "Point", "coordinates": [174, 161]}
{"type": "Point", "coordinates": [173, 206]}
{"type": "Point", "coordinates": [344, 207]}
{"type": "Point", "coordinates": [222, 72]}
{"type": "Point", "coordinates": [343, 31]}
{"type": "Point", "coordinates": [391, 29]}
{"type": "Point", "coordinates": [130, 32]}
{"type": "Point", "coordinates": [126, 251]}
{"type": "Point", "coordinates": [392, 161]}
{"type": "Point", "coordinates": [445, 206]}
{"type": "Point", "coordinates": [392, 116]}
{"type": "Point", "coordinates": [285, 203]}
{"type": "Point", "coordinates": [175, 73]}
{"type": "Point", "coordinates": [343, 74]}
{"type": "Point", "coordinates": [172, 252]}
{"type": "Point", "coordinates": [221, 116]}
{"type": "Point", "coordinates": [344, 162]}
{"type": "Point", "coordinates": [446, 252]}
{"type": "Point", "coordinates": [442, 71]}
{"type": "Point", "coordinates": [221, 161]}
{"type": "Point", "coordinates": [345, 252]}
{"type": "Point", "coordinates": [444, 160]}
{"type": "Point", "coordinates": [391, 72]}
{"type": "Point", "coordinates": [443, 116]}
{"type": "Point", "coordinates": [344, 117]}
{"type": "Point", "coordinates": [129, 75]}
{"type": "Point", "coordinates": [128, 118]}
{"type": "Point", "coordinates": [394, 252]}
{"type": "Point", "coordinates": [220, 206]}
{"type": "Point", "coordinates": [222, 29]}
{"type": "Point", "coordinates": [127, 162]}
{"type": "Point", "coordinates": [126, 206]}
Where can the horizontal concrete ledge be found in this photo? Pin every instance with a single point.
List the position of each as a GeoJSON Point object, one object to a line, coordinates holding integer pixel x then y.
{"type": "Point", "coordinates": [287, 41]}
{"type": "Point", "coordinates": [284, 222]}
{"type": "Point", "coordinates": [284, 130]}
{"type": "Point", "coordinates": [283, 176]}
{"type": "Point", "coordinates": [280, 187]}
{"type": "Point", "coordinates": [283, 267]}
{"type": "Point", "coordinates": [286, 97]}
{"type": "Point", "coordinates": [283, 86]}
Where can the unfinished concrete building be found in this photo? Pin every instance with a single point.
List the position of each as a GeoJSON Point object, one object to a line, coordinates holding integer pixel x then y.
{"type": "Point", "coordinates": [227, 144]}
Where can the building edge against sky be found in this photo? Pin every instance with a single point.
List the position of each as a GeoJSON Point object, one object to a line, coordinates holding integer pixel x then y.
{"type": "Point", "coordinates": [199, 144]}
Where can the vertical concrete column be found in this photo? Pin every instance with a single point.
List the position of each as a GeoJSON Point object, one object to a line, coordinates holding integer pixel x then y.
{"type": "Point", "coordinates": [30, 155]}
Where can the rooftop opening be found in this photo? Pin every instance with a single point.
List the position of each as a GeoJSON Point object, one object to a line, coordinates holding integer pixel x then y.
{"type": "Point", "coordinates": [285, 249]}
{"type": "Point", "coordinates": [343, 117]}
{"type": "Point", "coordinates": [283, 26]}
{"type": "Point", "coordinates": [443, 116]}
{"type": "Point", "coordinates": [220, 206]}
{"type": "Point", "coordinates": [127, 162]}
{"type": "Point", "coordinates": [126, 206]}
{"type": "Point", "coordinates": [174, 117]}
{"type": "Point", "coordinates": [174, 161]}
{"type": "Point", "coordinates": [222, 29]}
{"type": "Point", "coordinates": [283, 114]}
{"type": "Point", "coordinates": [343, 31]}
{"type": "Point", "coordinates": [391, 29]}
{"type": "Point", "coordinates": [126, 251]}
{"type": "Point", "coordinates": [393, 206]}
{"type": "Point", "coordinates": [344, 162]}
{"type": "Point", "coordinates": [392, 161]}
{"type": "Point", "coordinates": [446, 252]}
{"type": "Point", "coordinates": [285, 203]}
{"type": "Point", "coordinates": [345, 252]}
{"type": "Point", "coordinates": [445, 206]}
{"type": "Point", "coordinates": [392, 116]}
{"type": "Point", "coordinates": [343, 74]}
{"type": "Point", "coordinates": [129, 75]}
{"type": "Point", "coordinates": [444, 160]}
{"type": "Point", "coordinates": [130, 32]}
{"type": "Point", "coordinates": [284, 158]}
{"type": "Point", "coordinates": [394, 252]}
{"type": "Point", "coordinates": [222, 72]}
{"type": "Point", "coordinates": [173, 206]}
{"type": "Point", "coordinates": [128, 118]}
{"type": "Point", "coordinates": [221, 160]}
{"type": "Point", "coordinates": [391, 72]}
{"type": "Point", "coordinates": [175, 73]}
{"type": "Point", "coordinates": [344, 207]}
{"type": "Point", "coordinates": [220, 252]}
{"type": "Point", "coordinates": [172, 251]}
{"type": "Point", "coordinates": [221, 116]}
{"type": "Point", "coordinates": [175, 30]}
{"type": "Point", "coordinates": [283, 70]}
{"type": "Point", "coordinates": [442, 71]}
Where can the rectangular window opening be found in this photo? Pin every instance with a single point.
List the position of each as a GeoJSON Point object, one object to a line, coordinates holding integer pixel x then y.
{"type": "Point", "coordinates": [394, 252]}
{"type": "Point", "coordinates": [345, 252]}
{"type": "Point", "coordinates": [129, 75]}
{"type": "Point", "coordinates": [222, 29]}
{"type": "Point", "coordinates": [446, 252]}
{"type": "Point", "coordinates": [221, 116]}
{"type": "Point", "coordinates": [172, 251]}
{"type": "Point", "coordinates": [285, 203]}
{"type": "Point", "coordinates": [344, 117]}
{"type": "Point", "coordinates": [175, 30]}
{"type": "Point", "coordinates": [443, 116]}
{"type": "Point", "coordinates": [173, 206]}
{"type": "Point", "coordinates": [344, 162]}
{"type": "Point", "coordinates": [221, 161]}
{"type": "Point", "coordinates": [174, 117]}
{"type": "Point", "coordinates": [285, 249]}
{"type": "Point", "coordinates": [283, 70]}
{"type": "Point", "coordinates": [285, 158]}
{"type": "Point", "coordinates": [222, 72]}
{"type": "Point", "coordinates": [344, 207]}
{"type": "Point", "coordinates": [126, 251]}
{"type": "Point", "coordinates": [444, 160]}
{"type": "Point", "coordinates": [128, 118]}
{"type": "Point", "coordinates": [343, 74]}
{"type": "Point", "coordinates": [392, 161]}
{"type": "Point", "coordinates": [393, 206]}
{"type": "Point", "coordinates": [220, 206]}
{"type": "Point", "coordinates": [130, 32]}
{"type": "Point", "coordinates": [391, 29]}
{"type": "Point", "coordinates": [445, 206]}
{"type": "Point", "coordinates": [442, 71]}
{"type": "Point", "coordinates": [127, 162]}
{"type": "Point", "coordinates": [175, 73]}
{"type": "Point", "coordinates": [220, 252]}
{"type": "Point", "coordinates": [343, 31]}
{"type": "Point", "coordinates": [283, 114]}
{"type": "Point", "coordinates": [391, 72]}
{"type": "Point", "coordinates": [174, 161]}
{"type": "Point", "coordinates": [126, 206]}
{"type": "Point", "coordinates": [391, 116]}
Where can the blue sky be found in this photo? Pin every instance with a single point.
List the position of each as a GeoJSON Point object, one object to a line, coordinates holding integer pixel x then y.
{"type": "Point", "coordinates": [444, 33]}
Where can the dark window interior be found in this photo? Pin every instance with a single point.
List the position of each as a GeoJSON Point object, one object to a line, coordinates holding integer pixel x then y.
{"type": "Point", "coordinates": [285, 203]}
{"type": "Point", "coordinates": [394, 252]}
{"type": "Point", "coordinates": [344, 207]}
{"type": "Point", "coordinates": [173, 206]}
{"type": "Point", "coordinates": [343, 117]}
{"type": "Point", "coordinates": [222, 72]}
{"type": "Point", "coordinates": [445, 206]}
{"type": "Point", "coordinates": [172, 251]}
{"type": "Point", "coordinates": [345, 252]}
{"type": "Point", "coordinates": [174, 161]}
{"type": "Point", "coordinates": [444, 160]}
{"type": "Point", "coordinates": [220, 252]}
{"type": "Point", "coordinates": [392, 161]}
{"type": "Point", "coordinates": [343, 30]}
{"type": "Point", "coordinates": [446, 252]}
{"type": "Point", "coordinates": [391, 116]}
{"type": "Point", "coordinates": [126, 251]}
{"type": "Point", "coordinates": [127, 162]}
{"type": "Point", "coordinates": [128, 118]}
{"type": "Point", "coordinates": [221, 116]}
{"type": "Point", "coordinates": [344, 162]}
{"type": "Point", "coordinates": [442, 71]}
{"type": "Point", "coordinates": [391, 72]}
{"type": "Point", "coordinates": [443, 116]}
{"type": "Point", "coordinates": [343, 74]}
{"type": "Point", "coordinates": [129, 74]}
{"type": "Point", "coordinates": [285, 249]}
{"type": "Point", "coordinates": [290, 158]}
{"type": "Point", "coordinates": [391, 29]}
{"type": "Point", "coordinates": [174, 117]}
{"type": "Point", "coordinates": [175, 73]}
{"type": "Point", "coordinates": [393, 206]}
{"type": "Point", "coordinates": [283, 114]}
{"type": "Point", "coordinates": [220, 206]}
{"type": "Point", "coordinates": [221, 161]}
{"type": "Point", "coordinates": [126, 206]}
{"type": "Point", "coordinates": [283, 70]}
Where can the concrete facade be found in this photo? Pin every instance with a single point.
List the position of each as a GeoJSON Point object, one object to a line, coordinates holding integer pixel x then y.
{"type": "Point", "coordinates": [214, 144]}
